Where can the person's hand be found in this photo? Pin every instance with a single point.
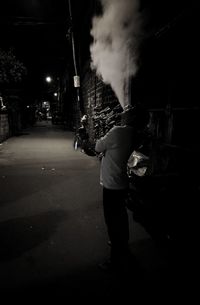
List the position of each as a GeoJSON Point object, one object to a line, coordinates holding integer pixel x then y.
{"type": "Point", "coordinates": [100, 156]}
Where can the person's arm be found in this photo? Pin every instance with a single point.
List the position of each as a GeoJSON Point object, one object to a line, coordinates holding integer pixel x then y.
{"type": "Point", "coordinates": [102, 144]}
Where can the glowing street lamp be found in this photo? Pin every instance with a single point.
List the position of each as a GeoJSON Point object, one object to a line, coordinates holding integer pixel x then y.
{"type": "Point", "coordinates": [48, 79]}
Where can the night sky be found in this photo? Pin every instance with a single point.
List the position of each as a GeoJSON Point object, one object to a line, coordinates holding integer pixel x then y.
{"type": "Point", "coordinates": [37, 30]}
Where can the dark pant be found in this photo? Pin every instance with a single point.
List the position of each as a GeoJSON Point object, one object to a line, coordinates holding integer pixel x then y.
{"type": "Point", "coordinates": [116, 219]}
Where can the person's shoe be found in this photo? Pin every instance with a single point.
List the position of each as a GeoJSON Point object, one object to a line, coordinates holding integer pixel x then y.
{"type": "Point", "coordinates": [124, 263]}
{"type": "Point", "coordinates": [109, 265]}
{"type": "Point", "coordinates": [106, 266]}
{"type": "Point", "coordinates": [109, 243]}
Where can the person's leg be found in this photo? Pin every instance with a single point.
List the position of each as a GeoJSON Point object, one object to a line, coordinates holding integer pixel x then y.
{"type": "Point", "coordinates": [116, 219]}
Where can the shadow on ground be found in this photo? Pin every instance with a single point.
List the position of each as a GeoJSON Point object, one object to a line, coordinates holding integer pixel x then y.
{"type": "Point", "coordinates": [19, 235]}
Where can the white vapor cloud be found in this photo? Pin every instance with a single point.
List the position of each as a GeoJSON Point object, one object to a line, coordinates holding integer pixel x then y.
{"type": "Point", "coordinates": [115, 44]}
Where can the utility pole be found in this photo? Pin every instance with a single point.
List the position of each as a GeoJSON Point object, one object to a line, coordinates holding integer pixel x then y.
{"type": "Point", "coordinates": [76, 77]}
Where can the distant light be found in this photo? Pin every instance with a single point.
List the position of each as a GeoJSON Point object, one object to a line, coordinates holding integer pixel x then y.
{"type": "Point", "coordinates": [55, 94]}
{"type": "Point", "coordinates": [48, 79]}
{"type": "Point", "coordinates": [27, 106]}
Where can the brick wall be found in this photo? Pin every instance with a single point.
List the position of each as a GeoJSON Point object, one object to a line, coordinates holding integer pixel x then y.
{"type": "Point", "coordinates": [100, 104]}
{"type": "Point", "coordinates": [4, 126]}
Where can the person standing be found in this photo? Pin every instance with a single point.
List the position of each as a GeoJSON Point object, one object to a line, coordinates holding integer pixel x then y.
{"type": "Point", "coordinates": [116, 147]}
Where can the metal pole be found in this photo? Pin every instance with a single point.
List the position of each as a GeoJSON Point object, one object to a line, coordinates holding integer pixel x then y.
{"type": "Point", "coordinates": [74, 53]}
{"type": "Point", "coordinates": [72, 37]}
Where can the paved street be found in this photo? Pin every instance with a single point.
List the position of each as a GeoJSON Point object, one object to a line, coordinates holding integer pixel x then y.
{"type": "Point", "coordinates": [52, 232]}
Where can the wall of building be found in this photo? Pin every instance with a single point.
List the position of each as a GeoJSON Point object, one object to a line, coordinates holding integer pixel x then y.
{"type": "Point", "coordinates": [100, 104]}
{"type": "Point", "coordinates": [4, 126]}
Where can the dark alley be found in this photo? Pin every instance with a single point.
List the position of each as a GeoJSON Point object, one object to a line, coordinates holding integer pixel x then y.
{"type": "Point", "coordinates": [52, 231]}
{"type": "Point", "coordinates": [99, 148]}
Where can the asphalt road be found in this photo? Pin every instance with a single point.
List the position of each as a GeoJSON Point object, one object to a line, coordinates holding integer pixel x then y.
{"type": "Point", "coordinates": [52, 231]}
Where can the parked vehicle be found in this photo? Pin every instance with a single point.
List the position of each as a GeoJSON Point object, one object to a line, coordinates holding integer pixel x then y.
{"type": "Point", "coordinates": [57, 118]}
{"type": "Point", "coordinates": [164, 200]}
{"type": "Point", "coordinates": [82, 143]}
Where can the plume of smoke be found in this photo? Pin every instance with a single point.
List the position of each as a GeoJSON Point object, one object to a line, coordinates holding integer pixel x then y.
{"type": "Point", "coordinates": [115, 44]}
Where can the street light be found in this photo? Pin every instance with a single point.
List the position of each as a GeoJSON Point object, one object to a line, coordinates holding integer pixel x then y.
{"type": "Point", "coordinates": [55, 85]}
{"type": "Point", "coordinates": [48, 79]}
